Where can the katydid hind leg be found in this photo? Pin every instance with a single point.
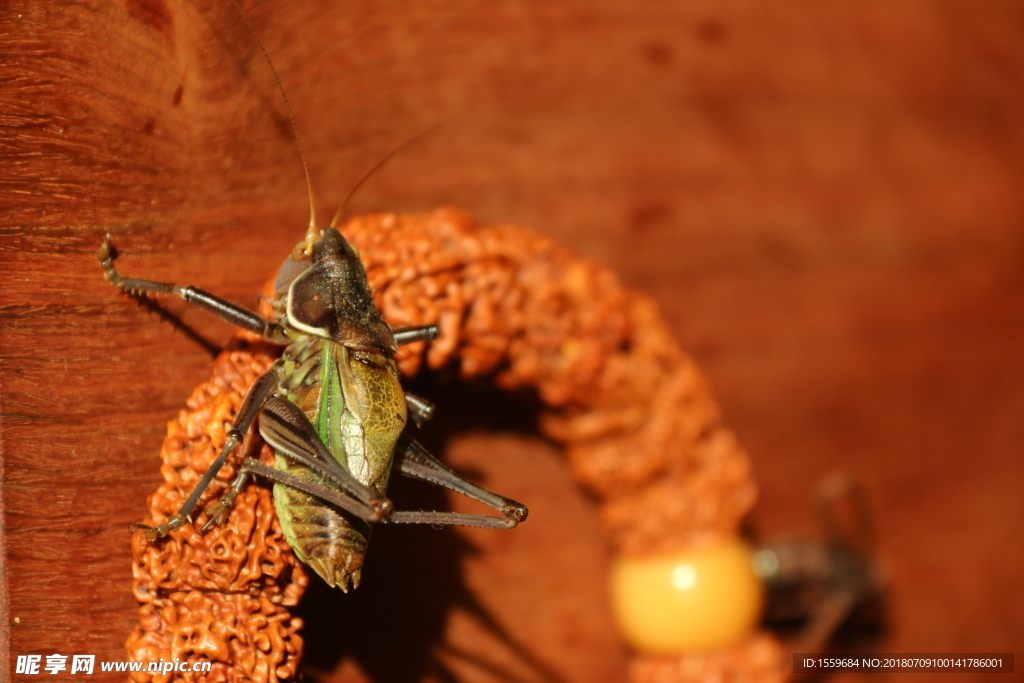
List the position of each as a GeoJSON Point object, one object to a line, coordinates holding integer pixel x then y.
{"type": "Point", "coordinates": [328, 495]}
{"type": "Point", "coordinates": [451, 519]}
{"type": "Point", "coordinates": [251, 406]}
{"type": "Point", "coordinates": [223, 309]}
{"type": "Point", "coordinates": [289, 431]}
{"type": "Point", "coordinates": [413, 460]}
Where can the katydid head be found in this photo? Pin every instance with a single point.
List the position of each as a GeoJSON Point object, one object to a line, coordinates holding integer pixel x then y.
{"type": "Point", "coordinates": [331, 296]}
{"type": "Point", "coordinates": [330, 244]}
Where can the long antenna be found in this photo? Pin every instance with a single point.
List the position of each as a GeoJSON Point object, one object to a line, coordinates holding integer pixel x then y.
{"type": "Point", "coordinates": [311, 234]}
{"type": "Point", "coordinates": [377, 167]}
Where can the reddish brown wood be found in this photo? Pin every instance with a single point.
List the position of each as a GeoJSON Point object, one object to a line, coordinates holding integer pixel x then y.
{"type": "Point", "coordinates": [825, 198]}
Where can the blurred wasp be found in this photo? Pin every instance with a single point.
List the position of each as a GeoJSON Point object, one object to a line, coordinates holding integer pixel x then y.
{"type": "Point", "coordinates": [331, 407]}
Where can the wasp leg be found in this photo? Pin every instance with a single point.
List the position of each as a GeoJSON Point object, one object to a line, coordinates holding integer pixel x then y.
{"type": "Point", "coordinates": [251, 406]}
{"type": "Point", "coordinates": [287, 429]}
{"type": "Point", "coordinates": [420, 409]}
{"type": "Point", "coordinates": [408, 335]}
{"type": "Point", "coordinates": [225, 310]}
{"type": "Point", "coordinates": [415, 461]}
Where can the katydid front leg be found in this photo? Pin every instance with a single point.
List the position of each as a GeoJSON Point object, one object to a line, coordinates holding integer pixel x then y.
{"type": "Point", "coordinates": [225, 310]}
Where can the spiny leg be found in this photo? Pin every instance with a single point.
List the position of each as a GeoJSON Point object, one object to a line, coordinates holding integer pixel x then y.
{"type": "Point", "coordinates": [225, 310]}
{"type": "Point", "coordinates": [408, 335]}
{"type": "Point", "coordinates": [415, 461]}
{"type": "Point", "coordinates": [343, 501]}
{"type": "Point", "coordinates": [420, 409]}
{"type": "Point", "coordinates": [287, 429]}
{"type": "Point", "coordinates": [251, 406]}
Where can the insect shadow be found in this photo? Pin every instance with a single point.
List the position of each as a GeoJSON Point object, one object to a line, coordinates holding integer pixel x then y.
{"type": "Point", "coordinates": [393, 627]}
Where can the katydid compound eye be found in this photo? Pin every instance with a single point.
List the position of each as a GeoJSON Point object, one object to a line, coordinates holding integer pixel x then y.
{"type": "Point", "coordinates": [311, 301]}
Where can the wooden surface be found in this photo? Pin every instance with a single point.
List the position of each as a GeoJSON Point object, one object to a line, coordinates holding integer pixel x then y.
{"type": "Point", "coordinates": [824, 197]}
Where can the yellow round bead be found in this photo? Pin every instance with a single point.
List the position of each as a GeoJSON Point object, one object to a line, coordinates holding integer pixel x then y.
{"type": "Point", "coordinates": [701, 599]}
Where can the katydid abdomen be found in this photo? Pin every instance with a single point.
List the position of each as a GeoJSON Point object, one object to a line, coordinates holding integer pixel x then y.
{"type": "Point", "coordinates": [354, 400]}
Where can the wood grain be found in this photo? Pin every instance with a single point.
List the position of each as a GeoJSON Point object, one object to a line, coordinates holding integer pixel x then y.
{"type": "Point", "coordinates": [825, 198]}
